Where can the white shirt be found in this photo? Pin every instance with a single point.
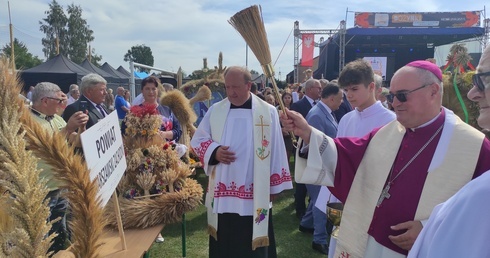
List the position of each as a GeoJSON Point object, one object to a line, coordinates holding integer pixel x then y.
{"type": "Point", "coordinates": [359, 123]}
{"type": "Point", "coordinates": [138, 100]}
{"type": "Point", "coordinates": [70, 100]}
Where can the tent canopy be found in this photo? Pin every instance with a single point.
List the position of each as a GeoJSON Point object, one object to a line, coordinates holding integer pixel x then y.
{"type": "Point", "coordinates": [94, 69]}
{"type": "Point", "coordinates": [119, 77]}
{"type": "Point", "coordinates": [123, 71]}
{"type": "Point", "coordinates": [59, 70]}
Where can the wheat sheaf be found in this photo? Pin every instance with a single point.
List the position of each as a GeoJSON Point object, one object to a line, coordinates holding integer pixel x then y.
{"type": "Point", "coordinates": [87, 222]}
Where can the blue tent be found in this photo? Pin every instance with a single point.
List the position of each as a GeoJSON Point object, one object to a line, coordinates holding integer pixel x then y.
{"type": "Point", "coordinates": [140, 75]}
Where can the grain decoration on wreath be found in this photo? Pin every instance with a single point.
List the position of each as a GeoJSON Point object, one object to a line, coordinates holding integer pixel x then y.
{"type": "Point", "coordinates": [156, 187]}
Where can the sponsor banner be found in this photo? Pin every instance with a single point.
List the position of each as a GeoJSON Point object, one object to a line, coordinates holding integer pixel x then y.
{"type": "Point", "coordinates": [434, 20]}
{"type": "Point", "coordinates": [307, 50]}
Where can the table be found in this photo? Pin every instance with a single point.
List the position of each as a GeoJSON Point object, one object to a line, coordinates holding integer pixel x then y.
{"type": "Point", "coordinates": [138, 241]}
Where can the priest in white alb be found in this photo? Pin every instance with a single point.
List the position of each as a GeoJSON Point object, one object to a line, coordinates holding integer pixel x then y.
{"type": "Point", "coordinates": [240, 144]}
{"type": "Point", "coordinates": [391, 179]}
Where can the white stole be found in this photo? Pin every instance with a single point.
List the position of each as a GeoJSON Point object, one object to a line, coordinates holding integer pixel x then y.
{"type": "Point", "coordinates": [452, 166]}
{"type": "Point", "coordinates": [262, 123]}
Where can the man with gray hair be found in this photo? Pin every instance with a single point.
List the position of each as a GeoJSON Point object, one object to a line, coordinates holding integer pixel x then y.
{"type": "Point", "coordinates": [378, 84]}
{"type": "Point", "coordinates": [120, 104]}
{"type": "Point", "coordinates": [168, 87]}
{"type": "Point", "coordinates": [94, 90]}
{"type": "Point", "coordinates": [47, 99]}
{"type": "Point", "coordinates": [313, 90]}
{"type": "Point", "coordinates": [73, 94]}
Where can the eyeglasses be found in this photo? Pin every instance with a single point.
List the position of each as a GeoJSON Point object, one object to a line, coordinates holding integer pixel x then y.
{"type": "Point", "coordinates": [59, 100]}
{"type": "Point", "coordinates": [477, 80]}
{"type": "Point", "coordinates": [402, 95]}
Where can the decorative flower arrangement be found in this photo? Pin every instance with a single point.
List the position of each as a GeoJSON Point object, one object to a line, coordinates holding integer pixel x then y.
{"type": "Point", "coordinates": [143, 121]}
{"type": "Point", "coordinates": [155, 188]}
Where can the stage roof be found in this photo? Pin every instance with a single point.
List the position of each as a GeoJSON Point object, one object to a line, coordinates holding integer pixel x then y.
{"type": "Point", "coordinates": [409, 36]}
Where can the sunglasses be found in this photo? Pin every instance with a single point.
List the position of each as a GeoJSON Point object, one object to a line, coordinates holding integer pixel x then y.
{"type": "Point", "coordinates": [477, 80]}
{"type": "Point", "coordinates": [59, 100]}
{"type": "Point", "coordinates": [402, 95]}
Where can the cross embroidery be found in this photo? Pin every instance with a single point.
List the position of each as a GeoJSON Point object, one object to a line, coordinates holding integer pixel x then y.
{"type": "Point", "coordinates": [261, 151]}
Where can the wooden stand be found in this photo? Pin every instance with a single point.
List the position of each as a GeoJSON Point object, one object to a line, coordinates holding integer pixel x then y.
{"type": "Point", "coordinates": [139, 241]}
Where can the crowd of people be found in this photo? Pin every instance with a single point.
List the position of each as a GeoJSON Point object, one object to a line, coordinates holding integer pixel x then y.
{"type": "Point", "coordinates": [392, 156]}
{"type": "Point", "coordinates": [73, 113]}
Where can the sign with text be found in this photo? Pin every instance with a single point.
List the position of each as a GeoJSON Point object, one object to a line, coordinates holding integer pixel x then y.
{"type": "Point", "coordinates": [417, 19]}
{"type": "Point", "coordinates": [104, 153]}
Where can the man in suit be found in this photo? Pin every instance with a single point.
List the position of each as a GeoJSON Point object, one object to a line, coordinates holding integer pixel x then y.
{"type": "Point", "coordinates": [322, 118]}
{"type": "Point", "coordinates": [93, 88]}
{"type": "Point", "coordinates": [313, 89]}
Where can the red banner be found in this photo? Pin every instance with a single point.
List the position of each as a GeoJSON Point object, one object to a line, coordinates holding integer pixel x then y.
{"type": "Point", "coordinates": [307, 51]}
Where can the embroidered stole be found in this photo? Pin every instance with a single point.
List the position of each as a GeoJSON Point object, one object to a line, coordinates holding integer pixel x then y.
{"type": "Point", "coordinates": [452, 167]}
{"type": "Point", "coordinates": [262, 123]}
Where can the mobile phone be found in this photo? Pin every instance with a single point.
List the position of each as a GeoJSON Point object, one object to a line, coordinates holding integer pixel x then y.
{"type": "Point", "coordinates": [83, 106]}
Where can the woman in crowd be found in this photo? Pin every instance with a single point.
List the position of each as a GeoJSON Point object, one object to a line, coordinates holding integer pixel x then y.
{"type": "Point", "coordinates": [287, 99]}
{"type": "Point", "coordinates": [109, 100]}
{"type": "Point", "coordinates": [170, 129]}
{"type": "Point", "coordinates": [127, 97]}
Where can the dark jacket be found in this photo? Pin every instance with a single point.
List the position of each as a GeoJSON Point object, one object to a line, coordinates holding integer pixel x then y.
{"type": "Point", "coordinates": [302, 106]}
{"type": "Point", "coordinates": [94, 114]}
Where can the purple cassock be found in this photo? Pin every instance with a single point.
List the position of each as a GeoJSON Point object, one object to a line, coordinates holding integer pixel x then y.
{"type": "Point", "coordinates": [406, 189]}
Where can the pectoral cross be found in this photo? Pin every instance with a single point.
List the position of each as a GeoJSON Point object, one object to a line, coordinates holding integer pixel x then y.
{"type": "Point", "coordinates": [384, 194]}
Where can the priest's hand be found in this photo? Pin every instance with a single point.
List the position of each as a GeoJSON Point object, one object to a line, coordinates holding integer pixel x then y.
{"type": "Point", "coordinates": [223, 155]}
{"type": "Point", "coordinates": [407, 239]}
{"type": "Point", "coordinates": [295, 122]}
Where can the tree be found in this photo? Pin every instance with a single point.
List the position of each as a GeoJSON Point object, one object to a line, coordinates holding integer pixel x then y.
{"type": "Point", "coordinates": [23, 59]}
{"type": "Point", "coordinates": [140, 54]}
{"type": "Point", "coordinates": [72, 31]}
{"type": "Point", "coordinates": [54, 26]}
{"type": "Point", "coordinates": [95, 59]}
{"type": "Point", "coordinates": [79, 34]}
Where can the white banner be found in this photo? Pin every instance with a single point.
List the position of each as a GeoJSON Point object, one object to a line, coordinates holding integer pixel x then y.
{"type": "Point", "coordinates": [104, 153]}
{"type": "Point", "coordinates": [378, 63]}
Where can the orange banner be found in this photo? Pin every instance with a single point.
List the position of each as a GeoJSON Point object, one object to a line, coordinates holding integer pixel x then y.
{"type": "Point", "coordinates": [308, 48]}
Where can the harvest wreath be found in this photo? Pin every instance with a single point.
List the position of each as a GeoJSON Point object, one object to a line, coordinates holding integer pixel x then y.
{"type": "Point", "coordinates": [156, 187]}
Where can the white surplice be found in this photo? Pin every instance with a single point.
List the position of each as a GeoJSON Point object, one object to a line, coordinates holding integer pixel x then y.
{"type": "Point", "coordinates": [233, 191]}
{"type": "Point", "coordinates": [459, 227]}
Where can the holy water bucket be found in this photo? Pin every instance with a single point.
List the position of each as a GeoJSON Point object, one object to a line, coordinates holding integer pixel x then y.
{"type": "Point", "coordinates": [334, 214]}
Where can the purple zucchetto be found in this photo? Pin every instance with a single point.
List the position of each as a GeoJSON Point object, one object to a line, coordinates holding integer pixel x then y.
{"type": "Point", "coordinates": [426, 65]}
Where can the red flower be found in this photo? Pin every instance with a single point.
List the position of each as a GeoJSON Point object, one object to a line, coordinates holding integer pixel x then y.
{"type": "Point", "coordinates": [265, 143]}
{"type": "Point", "coordinates": [141, 111]}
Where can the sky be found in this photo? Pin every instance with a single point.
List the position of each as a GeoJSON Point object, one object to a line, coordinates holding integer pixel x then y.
{"type": "Point", "coordinates": [181, 33]}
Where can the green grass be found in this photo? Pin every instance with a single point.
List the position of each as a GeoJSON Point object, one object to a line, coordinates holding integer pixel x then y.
{"type": "Point", "coordinates": [290, 241]}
